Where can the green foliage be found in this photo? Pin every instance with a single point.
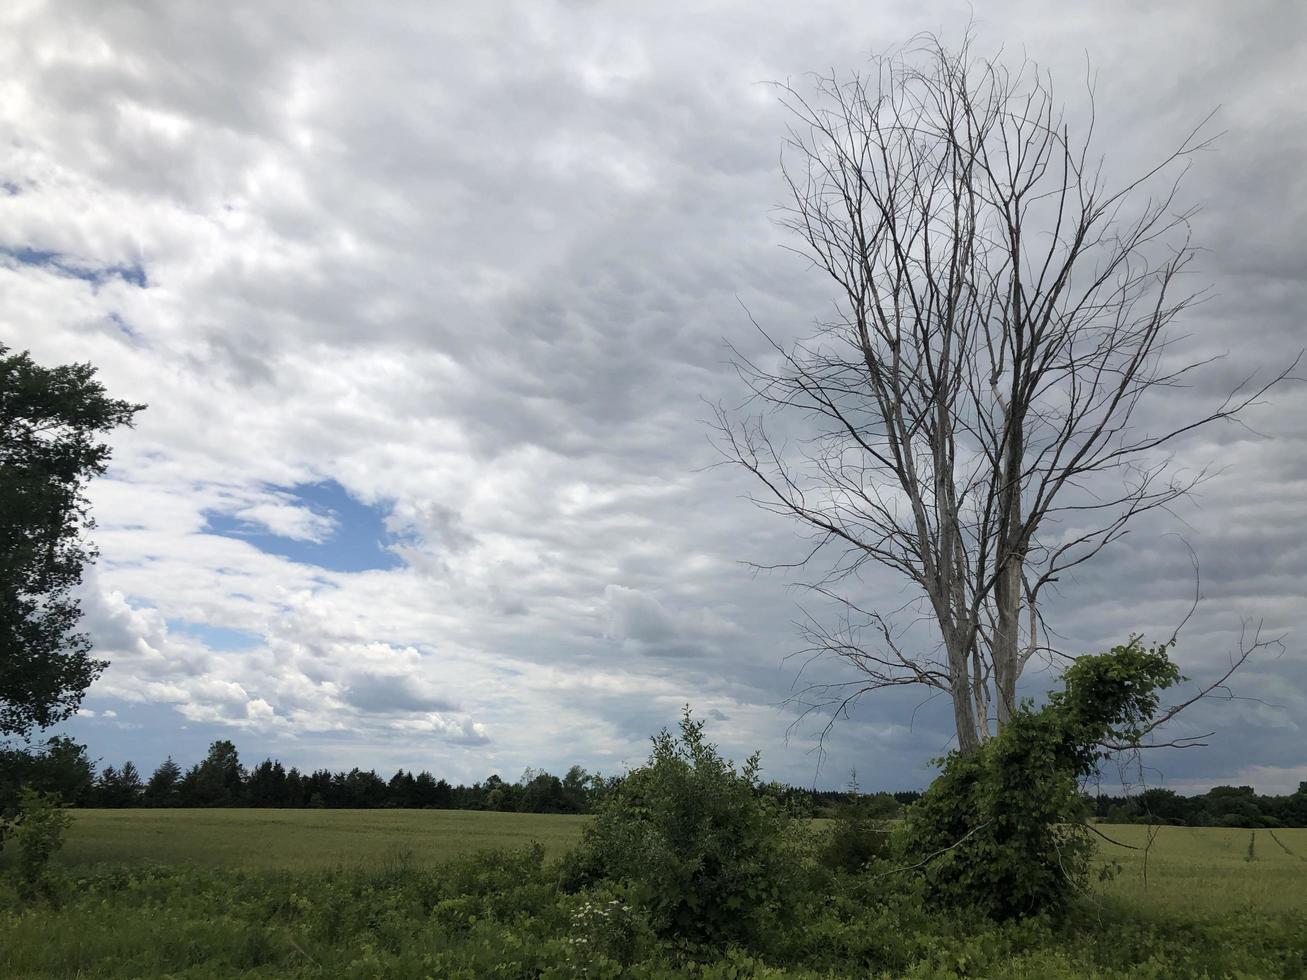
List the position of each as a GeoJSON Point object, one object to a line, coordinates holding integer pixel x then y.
{"type": "Point", "coordinates": [58, 771]}
{"type": "Point", "coordinates": [860, 832]}
{"type": "Point", "coordinates": [543, 793]}
{"type": "Point", "coordinates": [218, 780]}
{"type": "Point", "coordinates": [49, 421]}
{"type": "Point", "coordinates": [1221, 806]}
{"type": "Point", "coordinates": [118, 788]}
{"type": "Point", "coordinates": [606, 924]}
{"type": "Point", "coordinates": [391, 893]}
{"type": "Point", "coordinates": [709, 856]}
{"type": "Point", "coordinates": [162, 788]}
{"type": "Point", "coordinates": [1002, 829]}
{"type": "Point", "coordinates": [502, 915]}
{"type": "Point", "coordinates": [37, 829]}
{"type": "Point", "coordinates": [58, 766]}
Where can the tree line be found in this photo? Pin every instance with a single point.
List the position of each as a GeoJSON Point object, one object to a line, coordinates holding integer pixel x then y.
{"type": "Point", "coordinates": [1221, 806]}
{"type": "Point", "coordinates": [63, 767]}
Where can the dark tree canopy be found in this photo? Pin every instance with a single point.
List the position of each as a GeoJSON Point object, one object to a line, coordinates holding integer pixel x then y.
{"type": "Point", "coordinates": [51, 423]}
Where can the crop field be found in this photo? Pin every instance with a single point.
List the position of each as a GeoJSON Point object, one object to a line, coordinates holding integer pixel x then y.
{"type": "Point", "coordinates": [434, 893]}
{"type": "Point", "coordinates": [1209, 869]}
{"type": "Point", "coordinates": [1203, 869]}
{"type": "Point", "coordinates": [303, 840]}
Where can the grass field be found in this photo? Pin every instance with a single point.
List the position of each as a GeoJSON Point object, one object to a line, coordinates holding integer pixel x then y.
{"type": "Point", "coordinates": [1207, 869]}
{"type": "Point", "coordinates": [1188, 868]}
{"type": "Point", "coordinates": [301, 840]}
{"type": "Point", "coordinates": [399, 893]}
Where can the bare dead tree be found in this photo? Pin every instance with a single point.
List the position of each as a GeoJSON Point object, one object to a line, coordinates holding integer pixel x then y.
{"type": "Point", "coordinates": [1001, 315]}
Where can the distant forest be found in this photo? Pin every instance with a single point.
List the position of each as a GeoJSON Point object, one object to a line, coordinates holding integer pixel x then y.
{"type": "Point", "coordinates": [63, 766]}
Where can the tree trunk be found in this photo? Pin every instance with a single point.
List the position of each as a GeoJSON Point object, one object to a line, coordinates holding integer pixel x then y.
{"type": "Point", "coordinates": [964, 713]}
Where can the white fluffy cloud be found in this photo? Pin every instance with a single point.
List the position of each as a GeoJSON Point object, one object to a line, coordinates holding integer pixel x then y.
{"type": "Point", "coordinates": [475, 266]}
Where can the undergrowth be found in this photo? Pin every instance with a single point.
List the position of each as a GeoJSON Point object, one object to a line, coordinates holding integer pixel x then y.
{"type": "Point", "coordinates": [505, 914]}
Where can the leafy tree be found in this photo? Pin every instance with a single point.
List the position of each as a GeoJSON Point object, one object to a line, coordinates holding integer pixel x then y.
{"type": "Point", "coordinates": [1234, 806]}
{"type": "Point", "coordinates": [424, 790]}
{"type": "Point", "coordinates": [59, 768]}
{"type": "Point", "coordinates": [50, 421]}
{"type": "Point", "coordinates": [860, 832]}
{"type": "Point", "coordinates": [1294, 812]}
{"type": "Point", "coordinates": [217, 781]}
{"type": "Point", "coordinates": [294, 788]}
{"type": "Point", "coordinates": [500, 795]}
{"type": "Point", "coordinates": [1002, 827]}
{"type": "Point", "coordinates": [130, 785]}
{"type": "Point", "coordinates": [576, 790]}
{"type": "Point", "coordinates": [317, 788]}
{"type": "Point", "coordinates": [1164, 805]}
{"type": "Point", "coordinates": [543, 794]}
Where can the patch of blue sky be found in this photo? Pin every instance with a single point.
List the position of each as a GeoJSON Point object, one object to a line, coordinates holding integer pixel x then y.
{"type": "Point", "coordinates": [116, 731]}
{"type": "Point", "coordinates": [215, 637]}
{"type": "Point", "coordinates": [357, 542]}
{"type": "Point", "coordinates": [69, 266]}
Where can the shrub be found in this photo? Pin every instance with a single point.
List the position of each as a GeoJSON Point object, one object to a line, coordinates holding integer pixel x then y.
{"type": "Point", "coordinates": [606, 924]}
{"type": "Point", "coordinates": [1002, 829]}
{"type": "Point", "coordinates": [708, 856]}
{"type": "Point", "coordinates": [37, 831]}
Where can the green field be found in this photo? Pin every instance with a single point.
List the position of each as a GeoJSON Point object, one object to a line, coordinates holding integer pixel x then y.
{"type": "Point", "coordinates": [1203, 869]}
{"type": "Point", "coordinates": [301, 840]}
{"type": "Point", "coordinates": [402, 893]}
{"type": "Point", "coordinates": [1207, 869]}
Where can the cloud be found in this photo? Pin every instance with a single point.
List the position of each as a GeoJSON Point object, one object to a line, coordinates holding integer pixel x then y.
{"type": "Point", "coordinates": [635, 616]}
{"type": "Point", "coordinates": [288, 521]}
{"type": "Point", "coordinates": [426, 307]}
{"type": "Point", "coordinates": [391, 693]}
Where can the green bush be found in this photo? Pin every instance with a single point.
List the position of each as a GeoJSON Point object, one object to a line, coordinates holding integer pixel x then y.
{"type": "Point", "coordinates": [1002, 829]}
{"type": "Point", "coordinates": [36, 831]}
{"type": "Point", "coordinates": [700, 848]}
{"type": "Point", "coordinates": [606, 925]}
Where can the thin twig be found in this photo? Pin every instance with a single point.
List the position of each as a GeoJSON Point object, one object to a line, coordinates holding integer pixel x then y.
{"type": "Point", "coordinates": [934, 854]}
{"type": "Point", "coordinates": [1118, 843]}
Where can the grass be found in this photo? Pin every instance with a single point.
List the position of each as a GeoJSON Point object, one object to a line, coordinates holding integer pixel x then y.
{"type": "Point", "coordinates": [400, 893]}
{"type": "Point", "coordinates": [1188, 868]}
{"type": "Point", "coordinates": [303, 840]}
{"type": "Point", "coordinates": [1207, 869]}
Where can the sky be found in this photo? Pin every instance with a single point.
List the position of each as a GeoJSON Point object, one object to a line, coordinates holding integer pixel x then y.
{"type": "Point", "coordinates": [430, 303]}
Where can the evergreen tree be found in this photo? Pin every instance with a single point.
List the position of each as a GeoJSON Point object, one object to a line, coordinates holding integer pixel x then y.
{"type": "Point", "coordinates": [164, 786]}
{"type": "Point", "coordinates": [402, 790]}
{"type": "Point", "coordinates": [118, 788]}
{"type": "Point", "coordinates": [130, 787]}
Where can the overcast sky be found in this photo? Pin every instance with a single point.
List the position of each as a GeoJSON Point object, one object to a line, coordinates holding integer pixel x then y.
{"type": "Point", "coordinates": [426, 301]}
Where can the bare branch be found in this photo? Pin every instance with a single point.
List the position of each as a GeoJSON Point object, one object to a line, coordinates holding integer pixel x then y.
{"type": "Point", "coordinates": [973, 416]}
